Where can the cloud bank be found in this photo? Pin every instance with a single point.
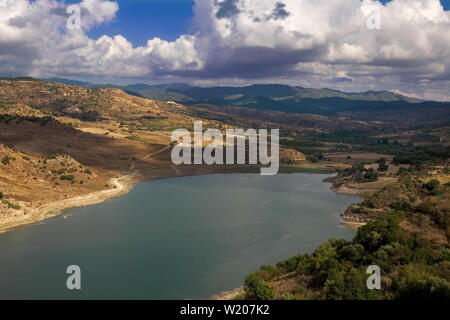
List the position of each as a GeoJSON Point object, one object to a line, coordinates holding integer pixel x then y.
{"type": "Point", "coordinates": [320, 43]}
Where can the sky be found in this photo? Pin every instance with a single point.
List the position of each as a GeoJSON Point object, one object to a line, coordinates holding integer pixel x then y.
{"type": "Point", "coordinates": [352, 45]}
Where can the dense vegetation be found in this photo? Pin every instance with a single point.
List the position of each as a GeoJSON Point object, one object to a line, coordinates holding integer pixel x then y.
{"type": "Point", "coordinates": [414, 264]}
{"type": "Point", "coordinates": [411, 267]}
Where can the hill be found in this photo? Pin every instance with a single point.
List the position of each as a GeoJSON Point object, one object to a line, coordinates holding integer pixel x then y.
{"type": "Point", "coordinates": [275, 97]}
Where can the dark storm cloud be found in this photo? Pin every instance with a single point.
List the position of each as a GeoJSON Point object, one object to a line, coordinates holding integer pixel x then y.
{"type": "Point", "coordinates": [253, 62]}
{"type": "Point", "coordinates": [280, 11]}
{"type": "Point", "coordinates": [227, 9]}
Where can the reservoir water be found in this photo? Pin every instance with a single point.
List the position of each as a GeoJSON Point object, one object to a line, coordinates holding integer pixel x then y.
{"type": "Point", "coordinates": [183, 238]}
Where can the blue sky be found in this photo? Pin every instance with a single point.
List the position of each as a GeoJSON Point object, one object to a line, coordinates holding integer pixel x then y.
{"type": "Point", "coordinates": [141, 20]}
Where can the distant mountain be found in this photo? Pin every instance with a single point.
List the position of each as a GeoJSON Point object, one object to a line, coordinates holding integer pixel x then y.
{"type": "Point", "coordinates": [271, 97]}
{"type": "Point", "coordinates": [173, 86]}
{"type": "Point", "coordinates": [69, 82]}
{"type": "Point", "coordinates": [278, 97]}
{"type": "Point", "coordinates": [283, 92]}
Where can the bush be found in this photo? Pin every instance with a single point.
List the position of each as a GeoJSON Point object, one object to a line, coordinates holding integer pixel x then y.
{"type": "Point", "coordinates": [312, 159]}
{"type": "Point", "coordinates": [424, 255]}
{"type": "Point", "coordinates": [371, 175]}
{"type": "Point", "coordinates": [433, 187]}
{"type": "Point", "coordinates": [382, 166]}
{"type": "Point", "coordinates": [267, 272]}
{"type": "Point", "coordinates": [353, 253]}
{"type": "Point", "coordinates": [307, 265]}
{"type": "Point", "coordinates": [445, 255]}
{"type": "Point", "coordinates": [11, 205]}
{"type": "Point", "coordinates": [347, 284]}
{"type": "Point", "coordinates": [289, 265]}
{"type": "Point", "coordinates": [69, 177]}
{"type": "Point", "coordinates": [6, 160]}
{"type": "Point", "coordinates": [378, 233]}
{"type": "Point", "coordinates": [1, 195]}
{"type": "Point", "coordinates": [255, 287]}
{"type": "Point", "coordinates": [434, 288]}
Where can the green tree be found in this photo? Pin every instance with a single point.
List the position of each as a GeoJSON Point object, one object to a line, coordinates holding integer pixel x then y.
{"type": "Point", "coordinates": [349, 283]}
{"type": "Point", "coordinates": [382, 231]}
{"type": "Point", "coordinates": [433, 187]}
{"type": "Point", "coordinates": [371, 175]}
{"type": "Point", "coordinates": [382, 166]}
{"type": "Point", "coordinates": [255, 287]}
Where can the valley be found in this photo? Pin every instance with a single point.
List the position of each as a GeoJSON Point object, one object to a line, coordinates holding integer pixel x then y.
{"type": "Point", "coordinates": [65, 146]}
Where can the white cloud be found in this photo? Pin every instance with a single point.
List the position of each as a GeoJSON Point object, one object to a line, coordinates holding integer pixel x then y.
{"type": "Point", "coordinates": [312, 43]}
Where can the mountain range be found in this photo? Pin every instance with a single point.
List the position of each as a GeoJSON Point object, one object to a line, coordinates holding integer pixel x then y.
{"type": "Point", "coordinates": [270, 97]}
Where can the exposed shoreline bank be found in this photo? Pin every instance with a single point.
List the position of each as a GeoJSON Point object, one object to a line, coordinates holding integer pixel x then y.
{"type": "Point", "coordinates": [122, 184]}
{"type": "Point", "coordinates": [125, 184]}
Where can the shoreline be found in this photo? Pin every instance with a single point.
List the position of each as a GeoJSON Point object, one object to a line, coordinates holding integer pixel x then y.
{"type": "Point", "coordinates": [124, 184]}
{"type": "Point", "coordinates": [54, 209]}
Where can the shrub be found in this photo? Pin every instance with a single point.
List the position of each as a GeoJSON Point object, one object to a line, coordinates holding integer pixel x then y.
{"type": "Point", "coordinates": [371, 175]}
{"type": "Point", "coordinates": [347, 284]}
{"type": "Point", "coordinates": [268, 272]}
{"type": "Point", "coordinates": [69, 177]}
{"type": "Point", "coordinates": [445, 255]}
{"type": "Point", "coordinates": [380, 232]}
{"type": "Point", "coordinates": [254, 286]}
{"type": "Point", "coordinates": [307, 265]}
{"type": "Point", "coordinates": [427, 288]}
{"type": "Point", "coordinates": [433, 187]}
{"type": "Point", "coordinates": [6, 160]}
{"type": "Point", "coordinates": [382, 166]}
{"type": "Point", "coordinates": [11, 205]}
{"type": "Point", "coordinates": [1, 195]}
{"type": "Point", "coordinates": [424, 255]}
{"type": "Point", "coordinates": [353, 253]}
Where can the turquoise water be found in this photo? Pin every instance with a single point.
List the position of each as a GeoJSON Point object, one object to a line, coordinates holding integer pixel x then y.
{"type": "Point", "coordinates": [183, 238]}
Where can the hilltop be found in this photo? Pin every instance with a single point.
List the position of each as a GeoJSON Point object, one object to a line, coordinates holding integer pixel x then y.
{"type": "Point", "coordinates": [367, 106]}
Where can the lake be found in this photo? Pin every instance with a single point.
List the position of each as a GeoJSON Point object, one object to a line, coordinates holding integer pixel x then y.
{"type": "Point", "coordinates": [182, 238]}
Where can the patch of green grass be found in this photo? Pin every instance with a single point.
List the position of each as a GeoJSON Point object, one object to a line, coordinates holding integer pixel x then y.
{"type": "Point", "coordinates": [11, 205]}
{"type": "Point", "coordinates": [133, 138]}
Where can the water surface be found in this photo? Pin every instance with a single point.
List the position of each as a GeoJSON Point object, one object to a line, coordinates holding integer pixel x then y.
{"type": "Point", "coordinates": [184, 238]}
